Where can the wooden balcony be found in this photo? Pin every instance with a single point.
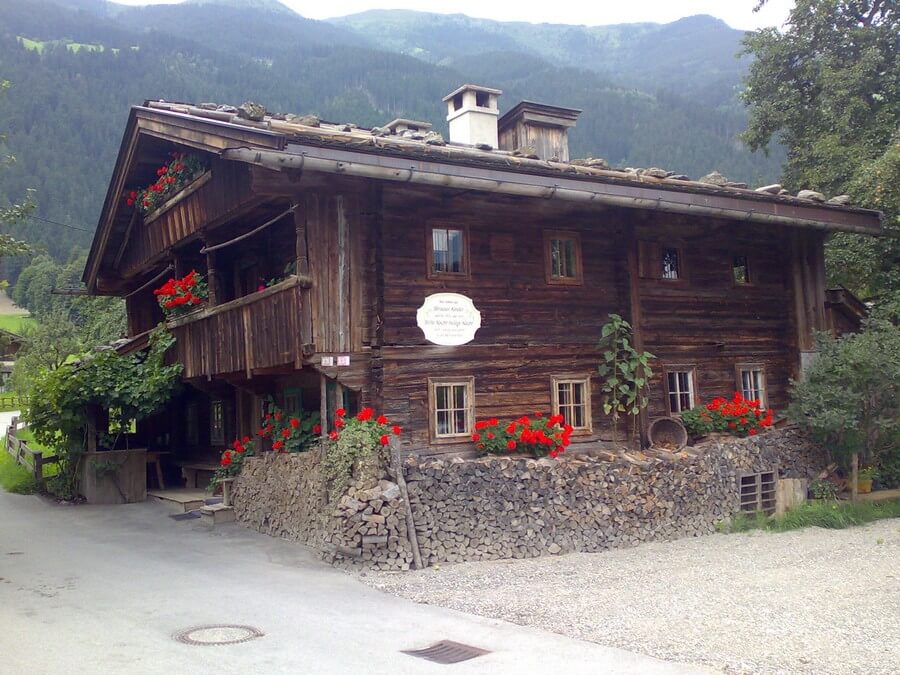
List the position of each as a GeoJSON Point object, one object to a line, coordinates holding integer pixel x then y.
{"type": "Point", "coordinates": [261, 330]}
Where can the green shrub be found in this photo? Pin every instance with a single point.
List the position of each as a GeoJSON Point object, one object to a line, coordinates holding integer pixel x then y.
{"type": "Point", "coordinates": [823, 489]}
{"type": "Point", "coordinates": [849, 398]}
{"type": "Point", "coordinates": [889, 468]}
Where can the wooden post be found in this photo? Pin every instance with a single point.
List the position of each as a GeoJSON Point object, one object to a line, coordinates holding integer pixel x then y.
{"type": "Point", "coordinates": [410, 522]}
{"type": "Point", "coordinates": [323, 405]}
{"type": "Point", "coordinates": [634, 302]}
{"type": "Point", "coordinates": [854, 477]}
{"type": "Point", "coordinates": [211, 280]}
{"type": "Point", "coordinates": [302, 268]}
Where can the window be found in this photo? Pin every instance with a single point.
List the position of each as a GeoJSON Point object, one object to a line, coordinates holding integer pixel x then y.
{"type": "Point", "coordinates": [680, 386]}
{"type": "Point", "coordinates": [740, 269]}
{"type": "Point", "coordinates": [447, 254]}
{"type": "Point", "coordinates": [751, 382]}
{"type": "Point", "coordinates": [757, 491]}
{"type": "Point", "coordinates": [563, 257]}
{"type": "Point", "coordinates": [451, 403]}
{"type": "Point", "coordinates": [217, 423]}
{"type": "Point", "coordinates": [670, 263]}
{"type": "Point", "coordinates": [192, 424]}
{"type": "Point", "coordinates": [572, 400]}
{"type": "Point", "coordinates": [293, 401]}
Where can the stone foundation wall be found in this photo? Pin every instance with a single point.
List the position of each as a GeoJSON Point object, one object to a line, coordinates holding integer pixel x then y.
{"type": "Point", "coordinates": [512, 507]}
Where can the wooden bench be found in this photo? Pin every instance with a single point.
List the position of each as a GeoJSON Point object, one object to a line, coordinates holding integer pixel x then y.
{"type": "Point", "coordinates": [190, 471]}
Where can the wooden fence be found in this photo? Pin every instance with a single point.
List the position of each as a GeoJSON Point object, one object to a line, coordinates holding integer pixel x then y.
{"type": "Point", "coordinates": [28, 457]}
{"type": "Point", "coordinates": [11, 401]}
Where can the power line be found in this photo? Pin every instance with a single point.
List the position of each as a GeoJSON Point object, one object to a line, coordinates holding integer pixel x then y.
{"type": "Point", "coordinates": [53, 222]}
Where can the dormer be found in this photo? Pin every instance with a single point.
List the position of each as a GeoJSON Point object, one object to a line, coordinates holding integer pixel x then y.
{"type": "Point", "coordinates": [472, 113]}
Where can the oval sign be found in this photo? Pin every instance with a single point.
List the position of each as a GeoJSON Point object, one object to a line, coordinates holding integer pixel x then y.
{"type": "Point", "coordinates": [448, 319]}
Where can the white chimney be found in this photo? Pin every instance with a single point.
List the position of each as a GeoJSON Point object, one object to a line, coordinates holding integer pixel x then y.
{"type": "Point", "coordinates": [472, 112]}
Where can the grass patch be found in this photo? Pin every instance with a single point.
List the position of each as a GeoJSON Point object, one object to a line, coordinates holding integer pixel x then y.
{"type": "Point", "coordinates": [16, 323]}
{"type": "Point", "coordinates": [832, 515]}
{"type": "Point", "coordinates": [13, 476]}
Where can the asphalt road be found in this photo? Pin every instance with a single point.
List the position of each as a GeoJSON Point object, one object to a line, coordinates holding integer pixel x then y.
{"type": "Point", "coordinates": [89, 589]}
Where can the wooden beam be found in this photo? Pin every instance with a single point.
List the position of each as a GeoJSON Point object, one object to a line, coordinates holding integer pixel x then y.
{"type": "Point", "coordinates": [634, 308]}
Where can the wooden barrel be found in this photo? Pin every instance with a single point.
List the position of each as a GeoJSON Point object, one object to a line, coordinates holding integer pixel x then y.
{"type": "Point", "coordinates": [668, 433]}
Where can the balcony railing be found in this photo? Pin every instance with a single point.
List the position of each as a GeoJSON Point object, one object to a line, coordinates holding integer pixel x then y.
{"type": "Point", "coordinates": [260, 330]}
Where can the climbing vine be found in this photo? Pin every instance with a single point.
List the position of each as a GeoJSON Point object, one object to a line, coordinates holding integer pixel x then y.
{"type": "Point", "coordinates": [130, 387]}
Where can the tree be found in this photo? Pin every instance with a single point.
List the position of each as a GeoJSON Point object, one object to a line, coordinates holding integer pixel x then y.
{"type": "Point", "coordinates": [13, 213]}
{"type": "Point", "coordinates": [849, 399]}
{"type": "Point", "coordinates": [828, 89]}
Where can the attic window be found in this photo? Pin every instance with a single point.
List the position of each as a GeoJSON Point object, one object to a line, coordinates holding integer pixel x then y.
{"type": "Point", "coordinates": [482, 99]}
{"type": "Point", "coordinates": [457, 101]}
{"type": "Point", "coordinates": [671, 264]}
{"type": "Point", "coordinates": [740, 269]}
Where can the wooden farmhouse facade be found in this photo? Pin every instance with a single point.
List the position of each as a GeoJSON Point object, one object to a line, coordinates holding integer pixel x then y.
{"type": "Point", "coordinates": [321, 243]}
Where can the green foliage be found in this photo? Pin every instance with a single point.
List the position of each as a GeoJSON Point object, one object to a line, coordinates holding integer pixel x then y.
{"type": "Point", "coordinates": [823, 489]}
{"type": "Point", "coordinates": [828, 88]}
{"type": "Point", "coordinates": [12, 213]}
{"type": "Point", "coordinates": [131, 387]}
{"type": "Point", "coordinates": [849, 399]}
{"type": "Point", "coordinates": [889, 468]}
{"type": "Point", "coordinates": [13, 476]}
{"type": "Point", "coordinates": [358, 444]}
{"type": "Point", "coordinates": [699, 422]}
{"type": "Point", "coordinates": [626, 372]}
{"type": "Point", "coordinates": [828, 514]}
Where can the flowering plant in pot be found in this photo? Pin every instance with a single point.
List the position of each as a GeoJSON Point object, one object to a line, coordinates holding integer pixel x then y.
{"type": "Point", "coordinates": [171, 178]}
{"type": "Point", "coordinates": [737, 416]}
{"type": "Point", "coordinates": [290, 433]}
{"type": "Point", "coordinates": [361, 441]}
{"type": "Point", "coordinates": [179, 296]}
{"type": "Point", "coordinates": [864, 479]}
{"type": "Point", "coordinates": [232, 459]}
{"type": "Point", "coordinates": [535, 435]}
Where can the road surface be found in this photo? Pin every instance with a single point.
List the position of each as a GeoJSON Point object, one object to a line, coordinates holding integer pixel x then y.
{"type": "Point", "coordinates": [91, 589]}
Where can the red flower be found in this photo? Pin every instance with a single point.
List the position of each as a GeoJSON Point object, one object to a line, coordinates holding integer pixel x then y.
{"type": "Point", "coordinates": [476, 437]}
{"type": "Point", "coordinates": [246, 439]}
{"type": "Point", "coordinates": [480, 425]}
{"type": "Point", "coordinates": [317, 429]}
{"type": "Point", "coordinates": [261, 287]}
{"type": "Point", "coordinates": [524, 420]}
{"type": "Point", "coordinates": [538, 414]}
{"type": "Point", "coordinates": [278, 416]}
{"type": "Point", "coordinates": [226, 460]}
{"type": "Point", "coordinates": [384, 440]}
{"type": "Point", "coordinates": [365, 414]}
{"type": "Point", "coordinates": [286, 433]}
{"type": "Point", "coordinates": [340, 412]}
{"type": "Point", "coordinates": [511, 445]}
{"type": "Point", "coordinates": [493, 421]}
{"type": "Point", "coordinates": [397, 430]}
{"type": "Point", "coordinates": [511, 429]}
{"type": "Point", "coordinates": [339, 423]}
{"type": "Point", "coordinates": [261, 432]}
{"type": "Point", "coordinates": [129, 201]}
{"type": "Point", "coordinates": [752, 432]}
{"type": "Point", "coordinates": [490, 435]}
{"type": "Point", "coordinates": [732, 425]}
{"type": "Point", "coordinates": [295, 422]}
{"type": "Point", "coordinates": [333, 435]}
{"type": "Point", "coordinates": [554, 454]}
{"type": "Point", "coordinates": [277, 445]}
{"type": "Point", "coordinates": [382, 419]}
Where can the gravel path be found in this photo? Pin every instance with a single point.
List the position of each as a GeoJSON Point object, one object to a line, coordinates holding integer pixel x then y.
{"type": "Point", "coordinates": [809, 601]}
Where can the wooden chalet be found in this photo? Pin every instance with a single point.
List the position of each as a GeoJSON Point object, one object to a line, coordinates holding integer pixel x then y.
{"type": "Point", "coordinates": [354, 229]}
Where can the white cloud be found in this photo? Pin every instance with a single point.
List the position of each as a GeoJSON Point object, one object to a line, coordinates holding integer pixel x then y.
{"type": "Point", "coordinates": [736, 13]}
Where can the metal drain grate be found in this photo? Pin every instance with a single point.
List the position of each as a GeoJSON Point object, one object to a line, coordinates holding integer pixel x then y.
{"type": "Point", "coordinates": [217, 634]}
{"type": "Point", "coordinates": [447, 651]}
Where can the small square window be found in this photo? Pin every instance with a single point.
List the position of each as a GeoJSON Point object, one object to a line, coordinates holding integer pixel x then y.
{"type": "Point", "coordinates": [680, 389]}
{"type": "Point", "coordinates": [217, 423]}
{"type": "Point", "coordinates": [752, 383]}
{"type": "Point", "coordinates": [447, 252]}
{"type": "Point", "coordinates": [670, 261]}
{"type": "Point", "coordinates": [451, 403]}
{"type": "Point", "coordinates": [572, 400]}
{"type": "Point", "coordinates": [563, 257]}
{"type": "Point", "coordinates": [740, 269]}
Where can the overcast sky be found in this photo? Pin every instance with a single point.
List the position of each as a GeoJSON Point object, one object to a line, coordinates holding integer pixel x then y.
{"type": "Point", "coordinates": [736, 13]}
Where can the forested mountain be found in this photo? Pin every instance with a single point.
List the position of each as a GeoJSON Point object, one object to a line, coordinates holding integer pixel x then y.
{"type": "Point", "coordinates": [651, 95]}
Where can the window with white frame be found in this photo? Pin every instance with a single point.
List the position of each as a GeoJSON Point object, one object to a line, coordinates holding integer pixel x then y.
{"type": "Point", "coordinates": [680, 389]}
{"type": "Point", "coordinates": [752, 382]}
{"type": "Point", "coordinates": [572, 400]}
{"type": "Point", "coordinates": [452, 407]}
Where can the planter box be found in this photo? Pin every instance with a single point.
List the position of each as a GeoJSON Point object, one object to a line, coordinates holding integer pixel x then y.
{"type": "Point", "coordinates": [125, 485]}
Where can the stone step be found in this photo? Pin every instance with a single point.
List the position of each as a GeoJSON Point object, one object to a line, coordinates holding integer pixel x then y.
{"type": "Point", "coordinates": [217, 514]}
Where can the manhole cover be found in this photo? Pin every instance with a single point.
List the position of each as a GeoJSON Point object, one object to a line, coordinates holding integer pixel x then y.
{"type": "Point", "coordinates": [447, 651]}
{"type": "Point", "coordinates": [222, 634]}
